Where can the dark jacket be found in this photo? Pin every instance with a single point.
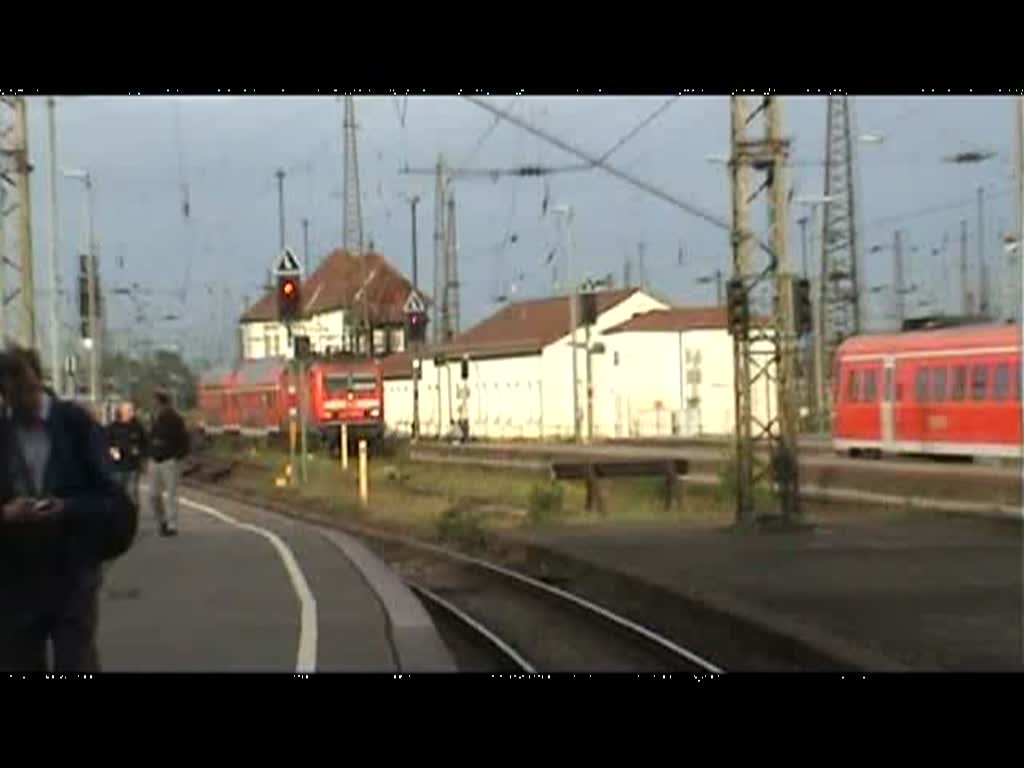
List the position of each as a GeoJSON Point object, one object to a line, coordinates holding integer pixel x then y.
{"type": "Point", "coordinates": [168, 439]}
{"type": "Point", "coordinates": [130, 441]}
{"type": "Point", "coordinates": [41, 563]}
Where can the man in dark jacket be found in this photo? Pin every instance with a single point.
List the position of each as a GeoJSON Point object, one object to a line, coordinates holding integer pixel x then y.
{"type": "Point", "coordinates": [168, 442]}
{"type": "Point", "coordinates": [127, 445]}
{"type": "Point", "coordinates": [62, 516]}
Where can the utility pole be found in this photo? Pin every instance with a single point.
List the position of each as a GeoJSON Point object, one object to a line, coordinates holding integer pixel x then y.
{"type": "Point", "coordinates": [22, 169]}
{"type": "Point", "coordinates": [898, 287]}
{"type": "Point", "coordinates": [56, 369]}
{"type": "Point", "coordinates": [983, 303]}
{"type": "Point", "coordinates": [641, 274]}
{"type": "Point", "coordinates": [627, 276]}
{"type": "Point", "coordinates": [840, 242]}
{"type": "Point", "coordinates": [453, 267]}
{"type": "Point", "coordinates": [90, 278]}
{"type": "Point", "coordinates": [3, 261]}
{"type": "Point", "coordinates": [760, 353]}
{"type": "Point", "coordinates": [417, 346]}
{"type": "Point", "coordinates": [440, 269]}
{"type": "Point", "coordinates": [1016, 281]}
{"type": "Point", "coordinates": [305, 246]}
{"type": "Point", "coordinates": [352, 215]}
{"type": "Point", "coordinates": [566, 214]}
{"type": "Point", "coordinates": [965, 291]}
{"type": "Point", "coordinates": [280, 207]}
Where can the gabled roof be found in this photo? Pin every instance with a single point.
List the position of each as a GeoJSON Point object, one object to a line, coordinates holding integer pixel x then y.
{"type": "Point", "coordinates": [677, 319]}
{"type": "Point", "coordinates": [341, 282]}
{"type": "Point", "coordinates": [526, 326]}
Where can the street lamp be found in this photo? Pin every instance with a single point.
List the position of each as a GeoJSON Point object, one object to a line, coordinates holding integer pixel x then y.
{"type": "Point", "coordinates": [90, 248]}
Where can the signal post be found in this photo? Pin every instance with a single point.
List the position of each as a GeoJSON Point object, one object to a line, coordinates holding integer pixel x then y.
{"type": "Point", "coordinates": [416, 332]}
{"type": "Point", "coordinates": [288, 277]}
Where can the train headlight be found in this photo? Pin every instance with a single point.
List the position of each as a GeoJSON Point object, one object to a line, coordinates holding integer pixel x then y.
{"type": "Point", "coordinates": [375, 413]}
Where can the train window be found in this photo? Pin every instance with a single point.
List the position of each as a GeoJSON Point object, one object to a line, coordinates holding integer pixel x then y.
{"type": "Point", "coordinates": [851, 386]}
{"type": "Point", "coordinates": [1002, 381]}
{"type": "Point", "coordinates": [888, 385]}
{"type": "Point", "coordinates": [870, 391]}
{"type": "Point", "coordinates": [959, 382]}
{"type": "Point", "coordinates": [979, 382]}
{"type": "Point", "coordinates": [1017, 382]}
{"type": "Point", "coordinates": [921, 385]}
{"type": "Point", "coordinates": [939, 384]}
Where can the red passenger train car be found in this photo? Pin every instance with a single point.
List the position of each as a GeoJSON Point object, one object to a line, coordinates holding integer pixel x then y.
{"type": "Point", "coordinates": [944, 392]}
{"type": "Point", "coordinates": [254, 399]}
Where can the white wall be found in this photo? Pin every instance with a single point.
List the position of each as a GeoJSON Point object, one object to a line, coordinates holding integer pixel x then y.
{"type": "Point", "coordinates": [324, 330]}
{"type": "Point", "coordinates": [671, 380]}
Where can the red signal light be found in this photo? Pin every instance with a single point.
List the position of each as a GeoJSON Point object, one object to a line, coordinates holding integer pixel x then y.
{"type": "Point", "coordinates": [288, 289]}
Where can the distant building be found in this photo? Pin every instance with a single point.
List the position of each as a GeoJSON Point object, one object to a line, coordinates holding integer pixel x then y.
{"type": "Point", "coordinates": [351, 304]}
{"type": "Point", "coordinates": [655, 370]}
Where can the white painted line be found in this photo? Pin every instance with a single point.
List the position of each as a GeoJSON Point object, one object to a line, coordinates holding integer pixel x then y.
{"type": "Point", "coordinates": [465, 618]}
{"type": "Point", "coordinates": [306, 661]}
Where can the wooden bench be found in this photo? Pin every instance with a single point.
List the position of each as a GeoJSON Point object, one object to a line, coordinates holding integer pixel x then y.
{"type": "Point", "coordinates": [593, 470]}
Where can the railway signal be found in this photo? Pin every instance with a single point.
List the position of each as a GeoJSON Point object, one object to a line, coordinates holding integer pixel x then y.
{"type": "Point", "coordinates": [739, 309]}
{"type": "Point", "coordinates": [288, 298]}
{"type": "Point", "coordinates": [803, 311]}
{"type": "Point", "coordinates": [416, 326]}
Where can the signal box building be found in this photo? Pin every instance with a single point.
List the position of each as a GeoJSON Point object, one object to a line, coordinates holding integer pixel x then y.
{"type": "Point", "coordinates": [350, 304]}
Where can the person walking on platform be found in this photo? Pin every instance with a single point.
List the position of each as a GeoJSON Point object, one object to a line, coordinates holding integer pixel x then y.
{"type": "Point", "coordinates": [127, 440]}
{"type": "Point", "coordinates": [62, 517]}
{"type": "Point", "coordinates": [168, 442]}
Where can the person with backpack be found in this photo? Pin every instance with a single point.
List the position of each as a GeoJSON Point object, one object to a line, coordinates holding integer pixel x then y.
{"type": "Point", "coordinates": [169, 444]}
{"type": "Point", "coordinates": [127, 446]}
{"type": "Point", "coordinates": [62, 517]}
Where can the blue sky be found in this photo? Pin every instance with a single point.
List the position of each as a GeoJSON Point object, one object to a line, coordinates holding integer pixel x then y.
{"type": "Point", "coordinates": [142, 150]}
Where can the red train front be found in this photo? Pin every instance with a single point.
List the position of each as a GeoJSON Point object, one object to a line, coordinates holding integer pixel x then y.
{"type": "Point", "coordinates": [949, 392]}
{"type": "Point", "coordinates": [350, 393]}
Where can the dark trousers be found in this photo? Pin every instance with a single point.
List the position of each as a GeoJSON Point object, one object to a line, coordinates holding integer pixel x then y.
{"type": "Point", "coordinates": [69, 626]}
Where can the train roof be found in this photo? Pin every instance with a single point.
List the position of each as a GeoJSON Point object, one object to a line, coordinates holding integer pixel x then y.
{"type": "Point", "coordinates": [267, 370]}
{"type": "Point", "coordinates": [968, 336]}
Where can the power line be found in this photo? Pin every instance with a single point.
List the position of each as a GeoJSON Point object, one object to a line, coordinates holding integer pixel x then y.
{"type": "Point", "coordinates": [639, 127]}
{"type": "Point", "coordinates": [933, 209]}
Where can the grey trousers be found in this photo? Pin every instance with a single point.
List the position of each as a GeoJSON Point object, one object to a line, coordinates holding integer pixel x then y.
{"type": "Point", "coordinates": [163, 476]}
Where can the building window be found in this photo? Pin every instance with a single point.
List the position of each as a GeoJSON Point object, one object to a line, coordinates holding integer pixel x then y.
{"type": "Point", "coordinates": [939, 384]}
{"type": "Point", "coordinates": [397, 340]}
{"type": "Point", "coordinates": [921, 385]}
{"type": "Point", "coordinates": [380, 341]}
{"type": "Point", "coordinates": [979, 382]}
{"type": "Point", "coordinates": [1002, 381]}
{"type": "Point", "coordinates": [959, 382]}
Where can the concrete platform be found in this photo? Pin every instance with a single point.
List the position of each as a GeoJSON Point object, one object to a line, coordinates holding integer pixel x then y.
{"type": "Point", "coordinates": [242, 590]}
{"type": "Point", "coordinates": [920, 595]}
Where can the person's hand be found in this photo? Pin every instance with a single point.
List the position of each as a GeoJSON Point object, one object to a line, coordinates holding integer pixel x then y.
{"type": "Point", "coordinates": [47, 508]}
{"type": "Point", "coordinates": [115, 453]}
{"type": "Point", "coordinates": [18, 510]}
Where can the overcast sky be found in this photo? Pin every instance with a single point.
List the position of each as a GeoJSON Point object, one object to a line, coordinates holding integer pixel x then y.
{"type": "Point", "coordinates": [143, 151]}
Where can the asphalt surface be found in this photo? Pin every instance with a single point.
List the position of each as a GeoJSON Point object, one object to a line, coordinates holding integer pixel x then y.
{"type": "Point", "coordinates": [929, 595]}
{"type": "Point", "coordinates": [222, 598]}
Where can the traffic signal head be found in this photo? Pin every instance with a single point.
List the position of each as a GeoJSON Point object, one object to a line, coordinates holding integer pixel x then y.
{"type": "Point", "coordinates": [416, 326]}
{"type": "Point", "coordinates": [588, 308]}
{"type": "Point", "coordinates": [738, 308]}
{"type": "Point", "coordinates": [288, 298]}
{"type": "Point", "coordinates": [803, 310]}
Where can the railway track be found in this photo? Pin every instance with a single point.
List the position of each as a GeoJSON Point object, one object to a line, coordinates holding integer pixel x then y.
{"type": "Point", "coordinates": [511, 621]}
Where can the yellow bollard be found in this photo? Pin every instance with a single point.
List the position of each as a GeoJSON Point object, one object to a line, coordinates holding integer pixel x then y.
{"type": "Point", "coordinates": [364, 490]}
{"type": "Point", "coordinates": [344, 447]}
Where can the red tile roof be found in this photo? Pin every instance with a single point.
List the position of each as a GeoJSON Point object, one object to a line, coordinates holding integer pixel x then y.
{"type": "Point", "coordinates": [526, 326]}
{"type": "Point", "coordinates": [338, 284]}
{"type": "Point", "coordinates": [678, 319]}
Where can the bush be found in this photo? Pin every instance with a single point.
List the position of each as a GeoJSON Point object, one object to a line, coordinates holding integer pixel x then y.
{"type": "Point", "coordinates": [460, 525]}
{"type": "Point", "coordinates": [545, 501]}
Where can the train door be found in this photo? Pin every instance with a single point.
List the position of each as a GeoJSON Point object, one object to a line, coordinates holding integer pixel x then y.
{"type": "Point", "coordinates": [888, 395]}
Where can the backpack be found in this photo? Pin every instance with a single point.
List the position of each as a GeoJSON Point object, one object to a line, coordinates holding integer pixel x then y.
{"type": "Point", "coordinates": [109, 541]}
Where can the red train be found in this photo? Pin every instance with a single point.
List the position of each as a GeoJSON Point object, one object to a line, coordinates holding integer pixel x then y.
{"type": "Point", "coordinates": [945, 392]}
{"type": "Point", "coordinates": [254, 398]}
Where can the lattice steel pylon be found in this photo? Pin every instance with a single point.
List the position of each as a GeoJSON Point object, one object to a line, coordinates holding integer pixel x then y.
{"type": "Point", "coordinates": [440, 248]}
{"type": "Point", "coordinates": [840, 255]}
{"type": "Point", "coordinates": [14, 175]}
{"type": "Point", "coordinates": [763, 352]}
{"type": "Point", "coordinates": [352, 213]}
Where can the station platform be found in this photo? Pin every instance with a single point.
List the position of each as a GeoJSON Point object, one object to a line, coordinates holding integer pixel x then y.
{"type": "Point", "coordinates": [928, 594]}
{"type": "Point", "coordinates": [242, 590]}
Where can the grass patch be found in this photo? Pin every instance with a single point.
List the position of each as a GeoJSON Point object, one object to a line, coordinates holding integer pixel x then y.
{"type": "Point", "coordinates": [546, 501]}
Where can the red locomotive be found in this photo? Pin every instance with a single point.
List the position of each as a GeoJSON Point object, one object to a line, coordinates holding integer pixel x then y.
{"type": "Point", "coordinates": [254, 399]}
{"type": "Point", "coordinates": [953, 391]}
